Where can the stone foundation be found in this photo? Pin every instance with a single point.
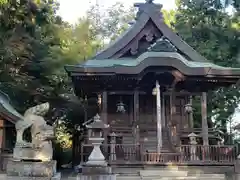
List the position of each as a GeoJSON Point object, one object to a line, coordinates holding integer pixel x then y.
{"type": "Point", "coordinates": [29, 153]}
{"type": "Point", "coordinates": [95, 173]}
{"type": "Point", "coordinates": [26, 170]}
{"type": "Point", "coordinates": [94, 177]}
{"type": "Point", "coordinates": [56, 177]}
{"type": "Point", "coordinates": [86, 170]}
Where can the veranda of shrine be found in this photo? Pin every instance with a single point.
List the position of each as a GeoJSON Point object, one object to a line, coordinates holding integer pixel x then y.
{"type": "Point", "coordinates": [145, 82]}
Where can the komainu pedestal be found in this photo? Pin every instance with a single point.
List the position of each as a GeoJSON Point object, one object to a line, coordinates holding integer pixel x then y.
{"type": "Point", "coordinates": [27, 170]}
{"type": "Point", "coordinates": [33, 160]}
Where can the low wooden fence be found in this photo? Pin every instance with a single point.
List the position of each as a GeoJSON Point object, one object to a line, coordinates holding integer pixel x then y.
{"type": "Point", "coordinates": [186, 154]}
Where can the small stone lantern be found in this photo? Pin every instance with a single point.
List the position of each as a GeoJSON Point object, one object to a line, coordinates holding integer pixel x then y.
{"type": "Point", "coordinates": [193, 138]}
{"type": "Point", "coordinates": [96, 128]}
{"type": "Point", "coordinates": [193, 148]}
{"type": "Point", "coordinates": [188, 108]}
{"type": "Point", "coordinates": [121, 107]}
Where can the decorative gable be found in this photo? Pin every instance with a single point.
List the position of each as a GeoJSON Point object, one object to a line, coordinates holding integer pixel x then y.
{"type": "Point", "coordinates": [162, 45]}
{"type": "Point", "coordinates": [149, 30]}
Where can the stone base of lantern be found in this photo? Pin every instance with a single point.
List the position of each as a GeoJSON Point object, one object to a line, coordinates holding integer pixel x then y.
{"type": "Point", "coordinates": [96, 157]}
{"type": "Point", "coordinates": [95, 172]}
{"type": "Point", "coordinates": [91, 177]}
{"type": "Point", "coordinates": [97, 163]}
{"type": "Point", "coordinates": [86, 170]}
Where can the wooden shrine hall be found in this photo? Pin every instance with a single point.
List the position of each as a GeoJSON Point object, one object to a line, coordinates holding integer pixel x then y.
{"type": "Point", "coordinates": [145, 82]}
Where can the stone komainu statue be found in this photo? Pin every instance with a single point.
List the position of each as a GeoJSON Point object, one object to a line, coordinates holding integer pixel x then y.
{"type": "Point", "coordinates": [32, 117]}
{"type": "Point", "coordinates": [41, 146]}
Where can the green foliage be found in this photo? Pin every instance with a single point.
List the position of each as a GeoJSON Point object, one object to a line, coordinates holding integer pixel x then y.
{"type": "Point", "coordinates": [63, 135]}
{"type": "Point", "coordinates": [113, 22]}
{"type": "Point", "coordinates": [27, 44]}
{"type": "Point", "coordinates": [212, 32]}
{"type": "Point", "coordinates": [169, 17]}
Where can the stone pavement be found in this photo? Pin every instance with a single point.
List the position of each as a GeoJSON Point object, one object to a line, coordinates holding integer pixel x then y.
{"type": "Point", "coordinates": [65, 176]}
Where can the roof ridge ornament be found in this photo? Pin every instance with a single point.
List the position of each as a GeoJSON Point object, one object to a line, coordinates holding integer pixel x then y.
{"type": "Point", "coordinates": [148, 6]}
{"type": "Point", "coordinates": [149, 1]}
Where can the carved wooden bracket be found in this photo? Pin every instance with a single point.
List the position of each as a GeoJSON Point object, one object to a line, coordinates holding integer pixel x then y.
{"type": "Point", "coordinates": [178, 77]}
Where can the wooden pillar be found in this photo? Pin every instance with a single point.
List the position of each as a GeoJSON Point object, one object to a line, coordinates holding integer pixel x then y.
{"type": "Point", "coordinates": [163, 112]}
{"type": "Point", "coordinates": [174, 124]}
{"type": "Point", "coordinates": [104, 107]}
{"type": "Point", "coordinates": [104, 116]}
{"type": "Point", "coordinates": [191, 123]}
{"type": "Point", "coordinates": [159, 120]}
{"type": "Point", "coordinates": [2, 142]}
{"type": "Point", "coordinates": [204, 118]}
{"type": "Point", "coordinates": [2, 134]}
{"type": "Point", "coordinates": [136, 115]}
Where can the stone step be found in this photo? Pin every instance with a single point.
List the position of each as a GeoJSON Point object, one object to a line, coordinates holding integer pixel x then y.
{"type": "Point", "coordinates": [175, 174]}
{"type": "Point", "coordinates": [182, 178]}
{"type": "Point", "coordinates": [128, 177]}
{"type": "Point", "coordinates": [199, 177]}
{"type": "Point", "coordinates": [132, 171]}
{"type": "Point", "coordinates": [161, 173]}
{"type": "Point", "coordinates": [3, 176]}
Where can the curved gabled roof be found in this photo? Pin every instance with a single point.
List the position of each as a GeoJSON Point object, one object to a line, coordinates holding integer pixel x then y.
{"type": "Point", "coordinates": [150, 42]}
{"type": "Point", "coordinates": [150, 12]}
{"type": "Point", "coordinates": [6, 109]}
{"type": "Point", "coordinates": [150, 59]}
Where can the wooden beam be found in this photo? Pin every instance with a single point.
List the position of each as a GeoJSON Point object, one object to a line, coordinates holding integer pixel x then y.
{"type": "Point", "coordinates": [183, 93]}
{"type": "Point", "coordinates": [125, 92]}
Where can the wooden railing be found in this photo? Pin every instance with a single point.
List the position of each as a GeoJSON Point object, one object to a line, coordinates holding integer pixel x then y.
{"type": "Point", "coordinates": [211, 154]}
{"type": "Point", "coordinates": [134, 154]}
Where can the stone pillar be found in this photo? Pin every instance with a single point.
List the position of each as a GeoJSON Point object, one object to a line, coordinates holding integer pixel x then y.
{"type": "Point", "coordinates": [136, 115]}
{"type": "Point", "coordinates": [159, 123]}
{"type": "Point", "coordinates": [204, 119]}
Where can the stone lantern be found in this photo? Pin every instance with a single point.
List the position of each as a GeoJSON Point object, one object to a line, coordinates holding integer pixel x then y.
{"type": "Point", "coordinates": [188, 108]}
{"type": "Point", "coordinates": [193, 146]}
{"type": "Point", "coordinates": [121, 107]}
{"type": "Point", "coordinates": [96, 128]}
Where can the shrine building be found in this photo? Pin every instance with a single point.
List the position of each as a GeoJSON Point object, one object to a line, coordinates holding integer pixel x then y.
{"type": "Point", "coordinates": [146, 81]}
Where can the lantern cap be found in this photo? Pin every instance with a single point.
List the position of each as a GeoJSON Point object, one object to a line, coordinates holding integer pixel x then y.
{"type": "Point", "coordinates": [192, 135]}
{"type": "Point", "coordinates": [97, 123]}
